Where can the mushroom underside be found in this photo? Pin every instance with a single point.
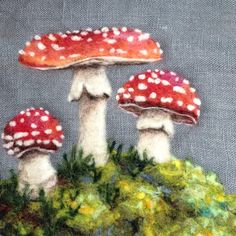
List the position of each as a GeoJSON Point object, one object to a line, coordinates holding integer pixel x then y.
{"type": "Point", "coordinates": [177, 117]}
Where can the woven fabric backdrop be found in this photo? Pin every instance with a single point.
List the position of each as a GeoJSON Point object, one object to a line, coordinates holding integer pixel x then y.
{"type": "Point", "coordinates": [199, 41]}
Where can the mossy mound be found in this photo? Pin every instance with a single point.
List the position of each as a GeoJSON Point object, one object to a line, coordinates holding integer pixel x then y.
{"type": "Point", "coordinates": [128, 196]}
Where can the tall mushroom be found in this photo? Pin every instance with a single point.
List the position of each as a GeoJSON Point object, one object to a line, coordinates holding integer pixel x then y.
{"type": "Point", "coordinates": [89, 52]}
{"type": "Point", "coordinates": [31, 136]}
{"type": "Point", "coordinates": [158, 98]}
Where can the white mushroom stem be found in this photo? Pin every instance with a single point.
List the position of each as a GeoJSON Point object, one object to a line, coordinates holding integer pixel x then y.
{"type": "Point", "coordinates": [155, 129]}
{"type": "Point", "coordinates": [92, 88]}
{"type": "Point", "coordinates": [36, 172]}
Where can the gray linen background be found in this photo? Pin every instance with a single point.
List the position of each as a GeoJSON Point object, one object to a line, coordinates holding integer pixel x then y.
{"type": "Point", "coordinates": [199, 41]}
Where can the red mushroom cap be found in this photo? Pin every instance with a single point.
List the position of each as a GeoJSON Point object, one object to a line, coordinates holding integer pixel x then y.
{"type": "Point", "coordinates": [33, 129]}
{"type": "Point", "coordinates": [102, 46]}
{"type": "Point", "coordinates": [164, 90]}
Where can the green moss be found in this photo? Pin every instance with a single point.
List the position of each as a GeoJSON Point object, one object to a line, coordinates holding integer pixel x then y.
{"type": "Point", "coordinates": [128, 196]}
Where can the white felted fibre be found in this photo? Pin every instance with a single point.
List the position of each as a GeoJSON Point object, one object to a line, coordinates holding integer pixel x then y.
{"type": "Point", "coordinates": [92, 127]}
{"type": "Point", "coordinates": [36, 171]}
{"type": "Point", "coordinates": [155, 129]}
{"type": "Point", "coordinates": [92, 79]}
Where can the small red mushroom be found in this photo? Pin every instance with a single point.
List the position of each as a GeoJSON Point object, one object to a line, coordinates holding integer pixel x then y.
{"type": "Point", "coordinates": [88, 52]}
{"type": "Point", "coordinates": [158, 98]}
{"type": "Point", "coordinates": [31, 136]}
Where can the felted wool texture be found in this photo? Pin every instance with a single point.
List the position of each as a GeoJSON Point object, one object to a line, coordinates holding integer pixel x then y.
{"type": "Point", "coordinates": [198, 40]}
{"type": "Point", "coordinates": [155, 129]}
{"type": "Point", "coordinates": [92, 127]}
{"type": "Point", "coordinates": [36, 171]}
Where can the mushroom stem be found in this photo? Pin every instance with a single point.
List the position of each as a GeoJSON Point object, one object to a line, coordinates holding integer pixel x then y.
{"type": "Point", "coordinates": [36, 172]}
{"type": "Point", "coordinates": [92, 88]}
{"type": "Point", "coordinates": [155, 129]}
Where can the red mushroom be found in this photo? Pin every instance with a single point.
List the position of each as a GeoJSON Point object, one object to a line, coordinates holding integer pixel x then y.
{"type": "Point", "coordinates": [158, 98]}
{"type": "Point", "coordinates": [31, 136]}
{"type": "Point", "coordinates": [89, 52]}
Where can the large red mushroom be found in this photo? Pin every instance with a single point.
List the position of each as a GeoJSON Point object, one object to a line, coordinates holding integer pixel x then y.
{"type": "Point", "coordinates": [31, 136]}
{"type": "Point", "coordinates": [158, 98]}
{"type": "Point", "coordinates": [89, 52]}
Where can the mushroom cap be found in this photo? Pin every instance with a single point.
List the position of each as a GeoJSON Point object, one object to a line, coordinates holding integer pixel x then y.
{"type": "Point", "coordinates": [33, 129]}
{"type": "Point", "coordinates": [90, 47]}
{"type": "Point", "coordinates": [160, 90]}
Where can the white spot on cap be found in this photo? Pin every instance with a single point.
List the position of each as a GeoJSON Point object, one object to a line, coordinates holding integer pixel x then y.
{"type": "Point", "coordinates": [62, 136]}
{"type": "Point", "coordinates": [166, 99]}
{"type": "Point", "coordinates": [41, 46]}
{"type": "Point", "coordinates": [38, 141]}
{"type": "Point", "coordinates": [144, 36]}
{"type": "Point", "coordinates": [28, 113]}
{"type": "Point", "coordinates": [20, 135]}
{"type": "Point", "coordinates": [35, 133]}
{"type": "Point", "coordinates": [44, 118]}
{"type": "Point", "coordinates": [89, 29]}
{"type": "Point", "coordinates": [124, 29]}
{"type": "Point", "coordinates": [114, 28]}
{"type": "Point", "coordinates": [153, 95]}
{"type": "Point", "coordinates": [121, 90]}
{"type": "Point", "coordinates": [19, 142]}
{"type": "Point", "coordinates": [144, 52]}
{"type": "Point", "coordinates": [157, 81]}
{"type": "Point", "coordinates": [46, 142]}
{"type": "Point", "coordinates": [22, 52]}
{"type": "Point", "coordinates": [104, 35]}
{"type": "Point", "coordinates": [58, 128]}
{"type": "Point", "coordinates": [179, 89]}
{"type": "Point", "coordinates": [105, 29]}
{"type": "Point", "coordinates": [117, 97]}
{"type": "Point", "coordinates": [84, 33]}
{"type": "Point", "coordinates": [161, 51]}
{"type": "Point", "coordinates": [68, 32]}
{"type": "Point", "coordinates": [177, 79]}
{"type": "Point", "coordinates": [76, 38]}
{"type": "Point", "coordinates": [154, 75]}
{"type": "Point", "coordinates": [162, 72]}
{"type": "Point", "coordinates": [193, 90]}
{"type": "Point", "coordinates": [57, 47]}
{"type": "Point", "coordinates": [116, 32]}
{"type": "Point", "coordinates": [74, 55]}
{"type": "Point", "coordinates": [32, 54]}
{"type": "Point", "coordinates": [22, 112]}
{"type": "Point", "coordinates": [110, 41]}
{"type": "Point", "coordinates": [89, 40]}
{"type": "Point", "coordinates": [58, 144]}
{"type": "Point", "coordinates": [131, 90]}
{"type": "Point", "coordinates": [8, 145]}
{"type": "Point", "coordinates": [36, 113]}
{"type": "Point", "coordinates": [165, 82]}
{"type": "Point", "coordinates": [48, 131]}
{"type": "Point", "coordinates": [22, 120]}
{"type": "Point", "coordinates": [52, 37]}
{"type": "Point", "coordinates": [131, 78]}
{"type": "Point", "coordinates": [97, 32]}
{"type": "Point", "coordinates": [198, 112]}
{"type": "Point", "coordinates": [185, 81]}
{"type": "Point", "coordinates": [139, 99]}
{"type": "Point", "coordinates": [156, 70]}
{"type": "Point", "coordinates": [27, 43]}
{"type": "Point", "coordinates": [197, 101]}
{"type": "Point", "coordinates": [142, 86]}
{"type": "Point", "coordinates": [10, 152]}
{"type": "Point", "coordinates": [172, 73]}
{"type": "Point", "coordinates": [142, 76]}
{"type": "Point", "coordinates": [138, 30]}
{"type": "Point", "coordinates": [127, 95]}
{"type": "Point", "coordinates": [155, 50]}
{"type": "Point", "coordinates": [28, 142]}
{"type": "Point", "coordinates": [101, 49]}
{"type": "Point", "coordinates": [43, 58]}
{"type": "Point", "coordinates": [62, 58]}
{"type": "Point", "coordinates": [64, 36]}
{"type": "Point", "coordinates": [112, 50]}
{"type": "Point", "coordinates": [12, 123]}
{"type": "Point", "coordinates": [76, 31]}
{"type": "Point", "coordinates": [180, 103]}
{"type": "Point", "coordinates": [37, 37]}
{"type": "Point", "coordinates": [8, 137]}
{"type": "Point", "coordinates": [158, 45]}
{"type": "Point", "coordinates": [130, 38]}
{"type": "Point", "coordinates": [34, 126]}
{"type": "Point", "coordinates": [121, 51]}
{"type": "Point", "coordinates": [190, 107]}
{"type": "Point", "coordinates": [150, 80]}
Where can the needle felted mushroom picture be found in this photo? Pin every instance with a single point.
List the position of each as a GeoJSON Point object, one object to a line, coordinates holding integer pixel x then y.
{"type": "Point", "coordinates": [31, 136]}
{"type": "Point", "coordinates": [159, 98]}
{"type": "Point", "coordinates": [88, 52]}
